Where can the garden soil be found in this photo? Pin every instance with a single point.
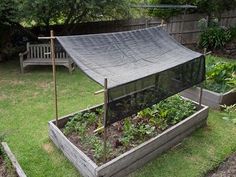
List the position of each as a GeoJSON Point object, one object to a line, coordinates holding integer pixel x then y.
{"type": "Point", "coordinates": [3, 172]}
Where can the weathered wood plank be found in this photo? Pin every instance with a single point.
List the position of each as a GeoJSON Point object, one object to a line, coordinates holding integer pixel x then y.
{"type": "Point", "coordinates": [13, 160]}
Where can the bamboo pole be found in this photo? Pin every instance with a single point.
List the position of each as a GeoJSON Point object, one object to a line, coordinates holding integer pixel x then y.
{"type": "Point", "coordinates": [105, 119]}
{"type": "Point", "coordinates": [52, 52]}
{"type": "Point", "coordinates": [54, 73]}
{"type": "Point", "coordinates": [146, 23]}
{"type": "Point", "coordinates": [182, 26]}
{"type": "Point", "coordinates": [201, 85]}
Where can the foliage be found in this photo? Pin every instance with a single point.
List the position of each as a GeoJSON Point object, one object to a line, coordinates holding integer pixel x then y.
{"type": "Point", "coordinates": [168, 112]}
{"type": "Point", "coordinates": [220, 76]}
{"type": "Point", "coordinates": [46, 12]}
{"type": "Point", "coordinates": [135, 131]}
{"type": "Point", "coordinates": [164, 13]}
{"type": "Point", "coordinates": [8, 12]}
{"type": "Point", "coordinates": [79, 122]}
{"type": "Point", "coordinates": [211, 7]}
{"type": "Point", "coordinates": [214, 37]}
{"type": "Point", "coordinates": [229, 113]}
{"type": "Point", "coordinates": [96, 144]}
{"type": "Point", "coordinates": [233, 32]}
{"type": "Point", "coordinates": [42, 11]}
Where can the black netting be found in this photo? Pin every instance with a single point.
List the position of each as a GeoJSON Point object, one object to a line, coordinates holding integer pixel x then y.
{"type": "Point", "coordinates": [128, 99]}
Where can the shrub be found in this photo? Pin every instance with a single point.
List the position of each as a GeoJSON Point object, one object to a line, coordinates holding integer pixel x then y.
{"type": "Point", "coordinates": [214, 37]}
{"type": "Point", "coordinates": [233, 32]}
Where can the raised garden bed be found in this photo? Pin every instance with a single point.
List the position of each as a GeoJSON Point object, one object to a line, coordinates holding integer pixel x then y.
{"type": "Point", "coordinates": [219, 87]}
{"type": "Point", "coordinates": [9, 166]}
{"type": "Point", "coordinates": [210, 98]}
{"type": "Point", "coordinates": [133, 158]}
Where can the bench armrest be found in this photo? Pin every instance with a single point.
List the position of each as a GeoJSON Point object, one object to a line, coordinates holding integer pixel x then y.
{"type": "Point", "coordinates": [24, 53]}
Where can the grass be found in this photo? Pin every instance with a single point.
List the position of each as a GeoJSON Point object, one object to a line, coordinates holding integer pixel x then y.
{"type": "Point", "coordinates": [26, 107]}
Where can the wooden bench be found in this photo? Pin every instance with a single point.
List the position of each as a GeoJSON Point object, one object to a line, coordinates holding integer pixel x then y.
{"type": "Point", "coordinates": [39, 54]}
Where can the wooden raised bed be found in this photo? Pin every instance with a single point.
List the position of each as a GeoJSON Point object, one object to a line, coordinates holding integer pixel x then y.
{"type": "Point", "coordinates": [132, 159]}
{"type": "Point", "coordinates": [14, 162]}
{"type": "Point", "coordinates": [210, 98]}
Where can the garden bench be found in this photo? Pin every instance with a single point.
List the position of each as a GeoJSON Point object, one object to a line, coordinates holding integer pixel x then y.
{"type": "Point", "coordinates": [39, 54]}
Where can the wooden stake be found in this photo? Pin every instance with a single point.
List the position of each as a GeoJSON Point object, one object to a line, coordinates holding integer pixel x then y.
{"type": "Point", "coordinates": [201, 85]}
{"type": "Point", "coordinates": [200, 95]}
{"type": "Point", "coordinates": [182, 26]}
{"type": "Point", "coordinates": [162, 22]}
{"type": "Point", "coordinates": [54, 73]}
{"type": "Point", "coordinates": [105, 119]}
{"type": "Point", "coordinates": [98, 92]}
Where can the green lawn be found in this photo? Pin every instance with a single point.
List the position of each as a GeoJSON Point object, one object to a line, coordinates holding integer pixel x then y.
{"type": "Point", "coordinates": [26, 106]}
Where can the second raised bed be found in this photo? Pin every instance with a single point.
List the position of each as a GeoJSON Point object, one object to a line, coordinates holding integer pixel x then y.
{"type": "Point", "coordinates": [210, 98]}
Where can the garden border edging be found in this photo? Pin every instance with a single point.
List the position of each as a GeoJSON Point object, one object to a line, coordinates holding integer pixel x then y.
{"type": "Point", "coordinates": [132, 159]}
{"type": "Point", "coordinates": [14, 162]}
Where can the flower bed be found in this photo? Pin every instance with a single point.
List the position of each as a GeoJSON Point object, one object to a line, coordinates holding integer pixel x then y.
{"type": "Point", "coordinates": [131, 143]}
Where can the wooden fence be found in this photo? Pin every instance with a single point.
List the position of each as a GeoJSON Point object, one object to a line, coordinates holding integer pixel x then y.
{"type": "Point", "coordinates": [185, 29]}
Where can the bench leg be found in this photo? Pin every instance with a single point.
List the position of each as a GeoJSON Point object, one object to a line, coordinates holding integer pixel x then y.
{"type": "Point", "coordinates": [21, 65]}
{"type": "Point", "coordinates": [70, 68]}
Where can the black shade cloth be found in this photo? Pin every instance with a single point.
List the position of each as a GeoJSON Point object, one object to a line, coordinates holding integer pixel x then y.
{"type": "Point", "coordinates": [142, 66]}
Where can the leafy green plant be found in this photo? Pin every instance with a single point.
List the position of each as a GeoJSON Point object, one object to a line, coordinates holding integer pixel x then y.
{"type": "Point", "coordinates": [231, 82]}
{"type": "Point", "coordinates": [233, 32]}
{"type": "Point", "coordinates": [168, 112]}
{"type": "Point", "coordinates": [79, 122]}
{"type": "Point", "coordinates": [143, 130]}
{"type": "Point", "coordinates": [229, 113]}
{"type": "Point", "coordinates": [100, 118]}
{"type": "Point", "coordinates": [220, 76]}
{"type": "Point", "coordinates": [128, 132]}
{"type": "Point", "coordinates": [177, 109]}
{"type": "Point", "coordinates": [97, 146]}
{"type": "Point", "coordinates": [148, 112]}
{"type": "Point", "coordinates": [214, 37]}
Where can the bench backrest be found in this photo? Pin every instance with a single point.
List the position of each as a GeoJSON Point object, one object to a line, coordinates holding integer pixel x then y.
{"type": "Point", "coordinates": [42, 51]}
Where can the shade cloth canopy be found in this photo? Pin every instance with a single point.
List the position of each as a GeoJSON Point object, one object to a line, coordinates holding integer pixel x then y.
{"type": "Point", "coordinates": [123, 57]}
{"type": "Point", "coordinates": [142, 66]}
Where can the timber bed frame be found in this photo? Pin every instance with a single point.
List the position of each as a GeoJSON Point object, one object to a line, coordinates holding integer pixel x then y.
{"type": "Point", "coordinates": [39, 54]}
{"type": "Point", "coordinates": [132, 159]}
{"type": "Point", "coordinates": [210, 98]}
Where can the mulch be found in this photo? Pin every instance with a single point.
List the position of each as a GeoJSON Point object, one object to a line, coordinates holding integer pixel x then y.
{"type": "Point", "coordinates": [226, 169]}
